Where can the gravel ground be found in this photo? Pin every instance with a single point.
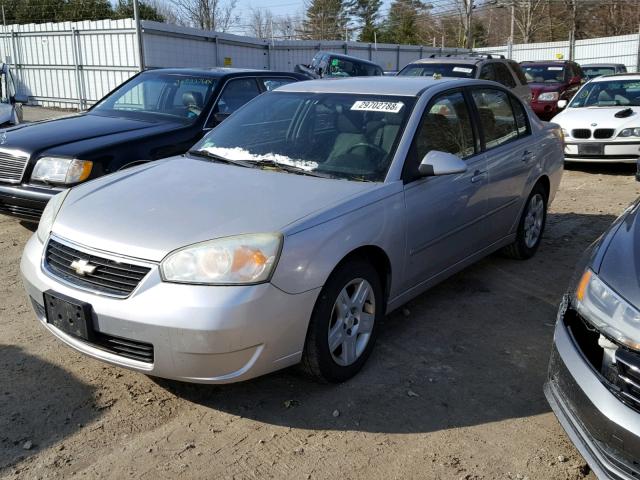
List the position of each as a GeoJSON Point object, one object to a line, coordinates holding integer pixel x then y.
{"type": "Point", "coordinates": [452, 390]}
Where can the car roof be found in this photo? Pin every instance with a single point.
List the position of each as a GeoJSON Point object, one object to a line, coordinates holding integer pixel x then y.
{"type": "Point", "coordinates": [618, 76]}
{"type": "Point", "coordinates": [218, 72]}
{"type": "Point", "coordinates": [456, 60]}
{"type": "Point", "coordinates": [588, 65]}
{"type": "Point", "coordinates": [546, 62]}
{"type": "Point", "coordinates": [401, 86]}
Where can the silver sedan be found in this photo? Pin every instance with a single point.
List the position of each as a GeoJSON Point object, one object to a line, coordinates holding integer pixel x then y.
{"type": "Point", "coordinates": [290, 230]}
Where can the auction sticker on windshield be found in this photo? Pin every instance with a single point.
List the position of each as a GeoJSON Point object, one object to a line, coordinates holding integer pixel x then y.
{"type": "Point", "coordinates": [462, 69]}
{"type": "Point", "coordinates": [371, 106]}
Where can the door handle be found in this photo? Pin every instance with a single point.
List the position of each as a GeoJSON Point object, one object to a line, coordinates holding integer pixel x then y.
{"type": "Point", "coordinates": [478, 175]}
{"type": "Point", "coordinates": [526, 156]}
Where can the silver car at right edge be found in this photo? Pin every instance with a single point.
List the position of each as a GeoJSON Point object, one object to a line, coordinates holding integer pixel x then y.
{"type": "Point", "coordinates": [594, 371]}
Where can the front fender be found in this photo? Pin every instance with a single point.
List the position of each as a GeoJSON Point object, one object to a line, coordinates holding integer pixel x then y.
{"type": "Point", "coordinates": [310, 255]}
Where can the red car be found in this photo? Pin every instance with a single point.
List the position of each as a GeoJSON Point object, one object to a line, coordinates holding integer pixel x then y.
{"type": "Point", "coordinates": [551, 81]}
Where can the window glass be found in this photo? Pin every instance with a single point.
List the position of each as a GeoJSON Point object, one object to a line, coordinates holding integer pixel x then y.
{"type": "Point", "coordinates": [518, 71]}
{"type": "Point", "coordinates": [496, 116]}
{"type": "Point", "coordinates": [593, 72]}
{"type": "Point", "coordinates": [340, 67]}
{"type": "Point", "coordinates": [443, 69]}
{"type": "Point", "coordinates": [503, 75]}
{"type": "Point", "coordinates": [608, 93]}
{"type": "Point", "coordinates": [273, 83]}
{"type": "Point", "coordinates": [544, 73]}
{"type": "Point", "coordinates": [488, 72]}
{"type": "Point", "coordinates": [236, 93]}
{"type": "Point", "coordinates": [446, 127]}
{"type": "Point", "coordinates": [522, 121]}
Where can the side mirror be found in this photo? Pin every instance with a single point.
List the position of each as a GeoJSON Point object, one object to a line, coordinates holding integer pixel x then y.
{"type": "Point", "coordinates": [562, 104]}
{"type": "Point", "coordinates": [19, 98]}
{"type": "Point", "coordinates": [220, 117]}
{"type": "Point", "coordinates": [437, 163]}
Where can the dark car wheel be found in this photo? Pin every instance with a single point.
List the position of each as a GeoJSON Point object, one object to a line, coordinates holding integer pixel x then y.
{"type": "Point", "coordinates": [342, 330]}
{"type": "Point", "coordinates": [531, 226]}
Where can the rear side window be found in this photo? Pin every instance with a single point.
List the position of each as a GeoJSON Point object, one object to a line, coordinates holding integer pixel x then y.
{"type": "Point", "coordinates": [504, 76]}
{"type": "Point", "coordinates": [518, 71]}
{"type": "Point", "coordinates": [497, 119]}
{"type": "Point", "coordinates": [522, 120]}
{"type": "Point", "coordinates": [236, 93]}
{"type": "Point", "coordinates": [446, 126]}
{"type": "Point", "coordinates": [273, 83]}
{"type": "Point", "coordinates": [488, 72]}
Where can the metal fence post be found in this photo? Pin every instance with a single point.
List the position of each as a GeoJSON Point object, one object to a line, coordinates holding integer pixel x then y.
{"type": "Point", "coordinates": [398, 58]}
{"type": "Point", "coordinates": [136, 18]}
{"type": "Point", "coordinates": [215, 39]}
{"type": "Point", "coordinates": [15, 61]}
{"type": "Point", "coordinates": [269, 67]}
{"type": "Point", "coordinates": [638, 56]}
{"type": "Point", "coordinates": [76, 62]}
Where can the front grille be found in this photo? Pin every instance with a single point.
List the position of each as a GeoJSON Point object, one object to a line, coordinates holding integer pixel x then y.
{"type": "Point", "coordinates": [25, 213]}
{"type": "Point", "coordinates": [12, 166]}
{"type": "Point", "coordinates": [603, 133]}
{"type": "Point", "coordinates": [110, 276]}
{"type": "Point", "coordinates": [143, 352]}
{"type": "Point", "coordinates": [581, 133]}
{"type": "Point", "coordinates": [628, 364]}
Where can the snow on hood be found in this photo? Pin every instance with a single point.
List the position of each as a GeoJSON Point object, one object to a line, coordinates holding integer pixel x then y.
{"type": "Point", "coordinates": [238, 153]}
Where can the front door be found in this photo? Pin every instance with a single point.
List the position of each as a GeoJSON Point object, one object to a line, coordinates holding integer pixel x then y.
{"type": "Point", "coordinates": [445, 214]}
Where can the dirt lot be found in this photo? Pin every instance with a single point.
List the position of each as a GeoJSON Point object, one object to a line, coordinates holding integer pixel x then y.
{"type": "Point", "coordinates": [452, 390]}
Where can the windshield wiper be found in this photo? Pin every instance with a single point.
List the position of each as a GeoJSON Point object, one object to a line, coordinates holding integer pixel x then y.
{"type": "Point", "coordinates": [289, 168]}
{"type": "Point", "coordinates": [219, 158]}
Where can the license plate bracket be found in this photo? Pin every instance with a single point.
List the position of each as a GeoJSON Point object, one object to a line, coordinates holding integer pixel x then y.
{"type": "Point", "coordinates": [591, 149]}
{"type": "Point", "coordinates": [69, 315]}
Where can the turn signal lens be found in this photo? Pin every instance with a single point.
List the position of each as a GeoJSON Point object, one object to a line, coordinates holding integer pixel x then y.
{"type": "Point", "coordinates": [582, 286]}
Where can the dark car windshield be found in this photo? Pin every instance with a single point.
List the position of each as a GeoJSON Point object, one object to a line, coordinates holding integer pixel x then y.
{"type": "Point", "coordinates": [339, 67]}
{"type": "Point", "coordinates": [344, 136]}
{"type": "Point", "coordinates": [156, 95]}
{"type": "Point", "coordinates": [593, 72]}
{"type": "Point", "coordinates": [442, 69]}
{"type": "Point", "coordinates": [544, 73]}
{"type": "Point", "coordinates": [612, 93]}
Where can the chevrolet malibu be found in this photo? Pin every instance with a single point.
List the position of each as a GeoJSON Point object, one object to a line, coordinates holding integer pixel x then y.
{"type": "Point", "coordinates": [602, 122]}
{"type": "Point", "coordinates": [594, 371]}
{"type": "Point", "coordinates": [290, 230]}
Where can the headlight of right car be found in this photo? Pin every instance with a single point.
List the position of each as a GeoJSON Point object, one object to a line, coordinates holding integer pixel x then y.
{"type": "Point", "coordinates": [607, 311]}
{"type": "Point", "coordinates": [238, 260]}
{"type": "Point", "coordinates": [548, 96]}
{"type": "Point", "coordinates": [49, 215]}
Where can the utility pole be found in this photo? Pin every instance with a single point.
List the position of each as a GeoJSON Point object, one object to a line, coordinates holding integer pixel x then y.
{"type": "Point", "coordinates": [513, 21]}
{"type": "Point", "coordinates": [136, 19]}
{"type": "Point", "coordinates": [468, 14]}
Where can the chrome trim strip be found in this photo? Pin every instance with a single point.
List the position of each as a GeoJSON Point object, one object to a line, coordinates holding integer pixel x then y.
{"type": "Point", "coordinates": [97, 253]}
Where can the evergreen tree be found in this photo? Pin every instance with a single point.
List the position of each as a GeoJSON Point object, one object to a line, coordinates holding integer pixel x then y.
{"type": "Point", "coordinates": [124, 9]}
{"type": "Point", "coordinates": [367, 14]}
{"type": "Point", "coordinates": [402, 22]}
{"type": "Point", "coordinates": [325, 20]}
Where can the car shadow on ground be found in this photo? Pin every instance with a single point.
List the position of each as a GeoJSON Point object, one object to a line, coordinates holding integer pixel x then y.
{"type": "Point", "coordinates": [28, 426]}
{"type": "Point", "coordinates": [622, 169]}
{"type": "Point", "coordinates": [472, 350]}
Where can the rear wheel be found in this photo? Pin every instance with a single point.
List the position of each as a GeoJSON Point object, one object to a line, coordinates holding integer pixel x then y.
{"type": "Point", "coordinates": [531, 226]}
{"type": "Point", "coordinates": [342, 330]}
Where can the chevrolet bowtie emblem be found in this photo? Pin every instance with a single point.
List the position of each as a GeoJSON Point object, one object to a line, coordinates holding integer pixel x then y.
{"type": "Point", "coordinates": [82, 267]}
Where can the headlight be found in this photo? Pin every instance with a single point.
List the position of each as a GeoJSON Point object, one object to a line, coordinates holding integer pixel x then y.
{"type": "Point", "coordinates": [548, 96]}
{"type": "Point", "coordinates": [243, 259]}
{"type": "Point", "coordinates": [61, 170]}
{"type": "Point", "coordinates": [49, 215]}
{"type": "Point", "coordinates": [630, 132]}
{"type": "Point", "coordinates": [565, 133]}
{"type": "Point", "coordinates": [607, 311]}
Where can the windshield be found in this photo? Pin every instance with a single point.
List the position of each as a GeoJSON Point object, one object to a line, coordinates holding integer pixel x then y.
{"type": "Point", "coordinates": [445, 70]}
{"type": "Point", "coordinates": [343, 136]}
{"type": "Point", "coordinates": [612, 93]}
{"type": "Point", "coordinates": [593, 72]}
{"type": "Point", "coordinates": [544, 73]}
{"type": "Point", "coordinates": [339, 67]}
{"type": "Point", "coordinates": [164, 96]}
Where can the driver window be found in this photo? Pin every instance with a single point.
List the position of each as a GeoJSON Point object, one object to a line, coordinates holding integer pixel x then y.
{"type": "Point", "coordinates": [236, 93]}
{"type": "Point", "coordinates": [143, 96]}
{"type": "Point", "coordinates": [446, 126]}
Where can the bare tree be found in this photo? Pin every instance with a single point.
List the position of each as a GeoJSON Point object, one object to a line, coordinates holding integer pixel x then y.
{"type": "Point", "coordinates": [208, 14]}
{"type": "Point", "coordinates": [529, 18]}
{"type": "Point", "coordinates": [260, 23]}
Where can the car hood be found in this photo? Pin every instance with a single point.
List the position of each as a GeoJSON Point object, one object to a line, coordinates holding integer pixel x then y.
{"type": "Point", "coordinates": [537, 88]}
{"type": "Point", "coordinates": [148, 211]}
{"type": "Point", "coordinates": [620, 267]}
{"type": "Point", "coordinates": [42, 136]}
{"type": "Point", "coordinates": [603, 117]}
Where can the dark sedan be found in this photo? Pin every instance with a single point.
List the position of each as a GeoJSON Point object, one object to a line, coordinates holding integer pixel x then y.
{"type": "Point", "coordinates": [155, 114]}
{"type": "Point", "coordinates": [594, 372]}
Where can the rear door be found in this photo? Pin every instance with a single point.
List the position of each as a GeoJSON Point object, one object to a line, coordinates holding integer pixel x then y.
{"type": "Point", "coordinates": [446, 214]}
{"type": "Point", "coordinates": [507, 141]}
{"type": "Point", "coordinates": [235, 93]}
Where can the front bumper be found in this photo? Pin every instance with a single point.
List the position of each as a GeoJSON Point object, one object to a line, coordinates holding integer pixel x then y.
{"type": "Point", "coordinates": [615, 152]}
{"type": "Point", "coordinates": [199, 333]}
{"type": "Point", "coordinates": [25, 201]}
{"type": "Point", "coordinates": [603, 429]}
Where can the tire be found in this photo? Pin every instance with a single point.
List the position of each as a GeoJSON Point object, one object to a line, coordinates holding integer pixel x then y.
{"type": "Point", "coordinates": [527, 240]}
{"type": "Point", "coordinates": [352, 328]}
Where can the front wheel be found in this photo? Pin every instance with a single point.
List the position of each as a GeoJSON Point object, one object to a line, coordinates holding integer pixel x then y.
{"type": "Point", "coordinates": [530, 227]}
{"type": "Point", "coordinates": [342, 330]}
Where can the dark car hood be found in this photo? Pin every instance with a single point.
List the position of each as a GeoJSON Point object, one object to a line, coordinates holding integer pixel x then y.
{"type": "Point", "coordinates": [620, 267]}
{"type": "Point", "coordinates": [545, 87]}
{"type": "Point", "coordinates": [44, 136]}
